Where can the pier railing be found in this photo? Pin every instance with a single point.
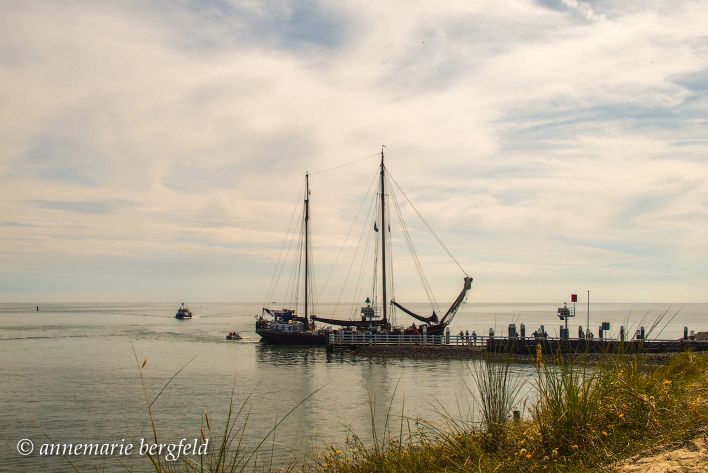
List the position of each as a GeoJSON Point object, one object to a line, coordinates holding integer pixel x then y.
{"type": "Point", "coordinates": [349, 338]}
{"type": "Point", "coordinates": [514, 344]}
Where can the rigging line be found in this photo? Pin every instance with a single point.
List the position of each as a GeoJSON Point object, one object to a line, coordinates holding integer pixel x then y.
{"type": "Point", "coordinates": [292, 248]}
{"type": "Point", "coordinates": [357, 248]}
{"type": "Point", "coordinates": [427, 225]}
{"type": "Point", "coordinates": [363, 233]}
{"type": "Point", "coordinates": [365, 237]}
{"type": "Point", "coordinates": [360, 274]}
{"type": "Point", "coordinates": [346, 238]}
{"type": "Point", "coordinates": [419, 266]}
{"type": "Point", "coordinates": [364, 261]}
{"type": "Point", "coordinates": [292, 275]}
{"type": "Point", "coordinates": [391, 307]}
{"type": "Point", "coordinates": [280, 262]}
{"type": "Point", "coordinates": [416, 259]}
{"type": "Point", "coordinates": [414, 253]}
{"type": "Point", "coordinates": [310, 275]}
{"type": "Point", "coordinates": [375, 279]}
{"type": "Point", "coordinates": [310, 267]}
{"type": "Point", "coordinates": [357, 297]}
{"type": "Point", "coordinates": [313, 280]}
{"type": "Point", "coordinates": [297, 268]}
{"type": "Point", "coordinates": [295, 244]}
{"type": "Point", "coordinates": [313, 287]}
{"type": "Point", "coordinates": [345, 164]}
{"type": "Point", "coordinates": [301, 274]}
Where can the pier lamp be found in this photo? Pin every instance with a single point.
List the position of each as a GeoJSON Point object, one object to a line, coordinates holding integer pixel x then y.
{"type": "Point", "coordinates": [564, 313]}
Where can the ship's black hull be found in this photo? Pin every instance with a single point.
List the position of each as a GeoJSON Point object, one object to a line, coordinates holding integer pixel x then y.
{"type": "Point", "coordinates": [437, 329]}
{"type": "Point", "coordinates": [278, 337]}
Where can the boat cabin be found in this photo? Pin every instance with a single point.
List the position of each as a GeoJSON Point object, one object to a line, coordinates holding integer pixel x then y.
{"type": "Point", "coordinates": [288, 327]}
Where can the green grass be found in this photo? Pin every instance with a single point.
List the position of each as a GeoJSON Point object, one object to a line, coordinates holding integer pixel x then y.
{"type": "Point", "coordinates": [584, 418]}
{"type": "Point", "coordinates": [498, 393]}
{"type": "Point", "coordinates": [581, 417]}
{"type": "Point", "coordinates": [229, 454]}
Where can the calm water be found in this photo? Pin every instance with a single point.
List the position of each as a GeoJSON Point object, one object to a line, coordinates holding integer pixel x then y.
{"type": "Point", "coordinates": [69, 375]}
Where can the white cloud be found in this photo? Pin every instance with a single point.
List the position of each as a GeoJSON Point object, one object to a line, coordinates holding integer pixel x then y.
{"type": "Point", "coordinates": [524, 134]}
{"type": "Point", "coordinates": [583, 9]}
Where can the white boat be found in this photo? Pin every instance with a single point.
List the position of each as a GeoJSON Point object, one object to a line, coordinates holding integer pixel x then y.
{"type": "Point", "coordinates": [183, 312]}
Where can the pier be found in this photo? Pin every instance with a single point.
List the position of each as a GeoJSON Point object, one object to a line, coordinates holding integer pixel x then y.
{"type": "Point", "coordinates": [462, 345]}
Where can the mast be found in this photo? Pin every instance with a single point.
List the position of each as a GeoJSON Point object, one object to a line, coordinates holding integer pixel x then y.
{"type": "Point", "coordinates": [307, 244]}
{"type": "Point", "coordinates": [383, 240]}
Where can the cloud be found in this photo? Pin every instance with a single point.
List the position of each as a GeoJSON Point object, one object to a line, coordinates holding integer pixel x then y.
{"type": "Point", "coordinates": [82, 206]}
{"type": "Point", "coordinates": [532, 135]}
{"type": "Point", "coordinates": [583, 9]}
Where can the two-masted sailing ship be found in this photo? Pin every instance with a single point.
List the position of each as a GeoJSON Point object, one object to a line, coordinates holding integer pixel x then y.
{"type": "Point", "coordinates": [286, 326]}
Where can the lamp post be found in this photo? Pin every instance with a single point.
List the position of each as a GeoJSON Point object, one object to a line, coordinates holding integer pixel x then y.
{"type": "Point", "coordinates": [587, 327]}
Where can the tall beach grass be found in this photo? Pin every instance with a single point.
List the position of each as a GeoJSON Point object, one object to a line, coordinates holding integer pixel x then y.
{"type": "Point", "coordinates": [583, 417]}
{"type": "Point", "coordinates": [580, 417]}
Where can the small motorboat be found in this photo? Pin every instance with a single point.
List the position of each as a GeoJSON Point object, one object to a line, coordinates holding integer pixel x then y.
{"type": "Point", "coordinates": [234, 336]}
{"type": "Point", "coordinates": [183, 312]}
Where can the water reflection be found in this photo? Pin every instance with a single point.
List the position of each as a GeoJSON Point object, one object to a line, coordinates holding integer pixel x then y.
{"type": "Point", "coordinates": [284, 355]}
{"type": "Point", "coordinates": [79, 381]}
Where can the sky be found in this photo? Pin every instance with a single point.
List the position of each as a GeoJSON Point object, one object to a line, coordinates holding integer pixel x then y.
{"type": "Point", "coordinates": [154, 151]}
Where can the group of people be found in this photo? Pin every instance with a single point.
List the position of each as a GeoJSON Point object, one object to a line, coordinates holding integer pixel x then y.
{"type": "Point", "coordinates": [413, 330]}
{"type": "Point", "coordinates": [466, 336]}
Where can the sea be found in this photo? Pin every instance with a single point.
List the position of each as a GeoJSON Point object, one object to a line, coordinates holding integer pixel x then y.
{"type": "Point", "coordinates": [86, 373]}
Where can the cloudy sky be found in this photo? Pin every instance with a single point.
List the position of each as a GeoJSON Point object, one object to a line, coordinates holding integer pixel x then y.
{"type": "Point", "coordinates": [153, 151]}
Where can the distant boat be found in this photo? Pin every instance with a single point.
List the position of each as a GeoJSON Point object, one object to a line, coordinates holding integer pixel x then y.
{"type": "Point", "coordinates": [183, 312]}
{"type": "Point", "coordinates": [234, 336]}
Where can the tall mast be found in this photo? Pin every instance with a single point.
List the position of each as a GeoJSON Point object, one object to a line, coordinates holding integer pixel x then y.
{"type": "Point", "coordinates": [383, 239]}
{"type": "Point", "coordinates": [307, 243]}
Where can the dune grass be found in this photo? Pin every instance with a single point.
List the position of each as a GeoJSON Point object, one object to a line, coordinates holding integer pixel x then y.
{"type": "Point", "coordinates": [580, 417]}
{"type": "Point", "coordinates": [230, 453]}
{"type": "Point", "coordinates": [584, 418]}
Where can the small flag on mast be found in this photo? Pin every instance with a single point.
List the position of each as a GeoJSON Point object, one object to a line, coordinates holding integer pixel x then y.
{"type": "Point", "coordinates": [573, 298]}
